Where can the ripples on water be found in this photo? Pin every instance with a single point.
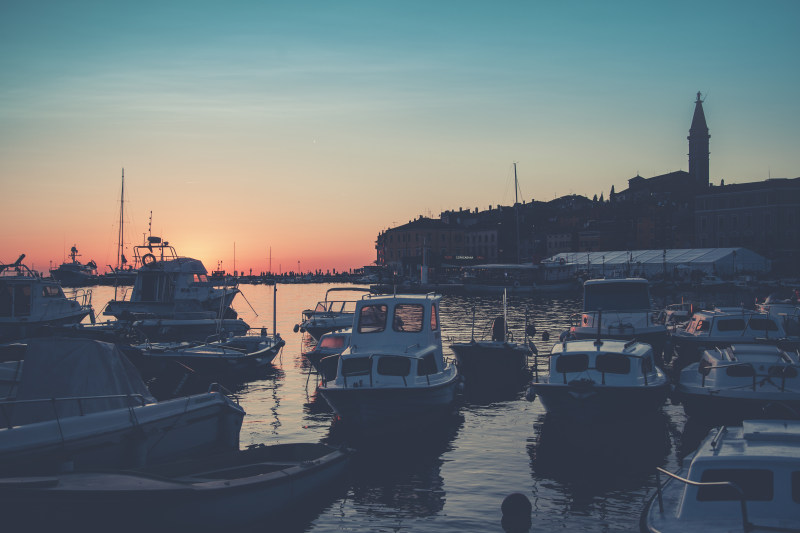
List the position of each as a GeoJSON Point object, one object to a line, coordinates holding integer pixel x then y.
{"type": "Point", "coordinates": [452, 476]}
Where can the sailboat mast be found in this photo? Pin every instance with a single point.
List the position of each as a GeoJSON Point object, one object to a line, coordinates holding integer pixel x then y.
{"type": "Point", "coordinates": [120, 237]}
{"type": "Point", "coordinates": [516, 208]}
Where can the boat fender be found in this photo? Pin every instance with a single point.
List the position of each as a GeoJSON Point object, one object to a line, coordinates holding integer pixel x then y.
{"type": "Point", "coordinates": [516, 509]}
{"type": "Point", "coordinates": [545, 336]}
{"type": "Point", "coordinates": [530, 395]}
{"type": "Point", "coordinates": [564, 336]}
{"type": "Point", "coordinates": [148, 259]}
{"type": "Point", "coordinates": [296, 328]}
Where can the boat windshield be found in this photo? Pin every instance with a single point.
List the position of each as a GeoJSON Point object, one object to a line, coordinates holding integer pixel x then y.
{"type": "Point", "coordinates": [408, 318]}
{"type": "Point", "coordinates": [616, 297]}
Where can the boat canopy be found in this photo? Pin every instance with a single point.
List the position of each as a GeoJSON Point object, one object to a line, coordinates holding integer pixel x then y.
{"type": "Point", "coordinates": [63, 368]}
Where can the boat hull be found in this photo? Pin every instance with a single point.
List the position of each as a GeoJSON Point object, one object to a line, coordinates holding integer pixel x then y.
{"type": "Point", "coordinates": [730, 406]}
{"type": "Point", "coordinates": [377, 406]}
{"type": "Point", "coordinates": [234, 489]}
{"type": "Point", "coordinates": [598, 401]}
{"type": "Point", "coordinates": [491, 364]}
{"type": "Point", "coordinates": [18, 329]}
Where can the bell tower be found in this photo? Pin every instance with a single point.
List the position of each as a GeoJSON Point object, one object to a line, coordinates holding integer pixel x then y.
{"type": "Point", "coordinates": [698, 146]}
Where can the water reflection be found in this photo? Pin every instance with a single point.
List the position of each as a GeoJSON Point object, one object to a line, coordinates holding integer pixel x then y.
{"type": "Point", "coordinates": [399, 474]}
{"type": "Point", "coordinates": [595, 458]}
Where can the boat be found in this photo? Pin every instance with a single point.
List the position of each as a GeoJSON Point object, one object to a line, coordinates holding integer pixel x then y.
{"type": "Point", "coordinates": [740, 478]}
{"type": "Point", "coordinates": [173, 299]}
{"type": "Point", "coordinates": [394, 368]}
{"type": "Point", "coordinates": [783, 305]}
{"type": "Point", "coordinates": [325, 355]}
{"type": "Point", "coordinates": [123, 273]}
{"type": "Point", "coordinates": [621, 309]}
{"type": "Point", "coordinates": [30, 305]}
{"type": "Point", "coordinates": [604, 378]}
{"type": "Point", "coordinates": [741, 381]}
{"type": "Point", "coordinates": [723, 326]}
{"type": "Point", "coordinates": [496, 278]}
{"type": "Point", "coordinates": [497, 362]}
{"type": "Point", "coordinates": [329, 315]}
{"type": "Point", "coordinates": [74, 273]}
{"type": "Point", "coordinates": [78, 403]}
{"type": "Point", "coordinates": [220, 491]}
{"type": "Point", "coordinates": [239, 353]}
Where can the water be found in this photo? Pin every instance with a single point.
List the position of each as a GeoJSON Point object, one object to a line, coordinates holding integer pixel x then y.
{"type": "Point", "coordinates": [453, 477]}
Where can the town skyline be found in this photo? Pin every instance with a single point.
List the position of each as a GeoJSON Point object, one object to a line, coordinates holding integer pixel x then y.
{"type": "Point", "coordinates": [307, 132]}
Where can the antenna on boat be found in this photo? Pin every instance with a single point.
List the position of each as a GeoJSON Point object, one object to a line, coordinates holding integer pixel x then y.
{"type": "Point", "coordinates": [598, 342]}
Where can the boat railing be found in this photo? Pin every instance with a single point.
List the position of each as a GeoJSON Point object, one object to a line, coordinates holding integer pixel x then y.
{"type": "Point", "coordinates": [7, 406]}
{"type": "Point", "coordinates": [368, 370]}
{"type": "Point", "coordinates": [80, 295]}
{"type": "Point", "coordinates": [749, 370]}
{"type": "Point", "coordinates": [746, 524]}
{"type": "Point", "coordinates": [537, 358]}
{"type": "Point", "coordinates": [576, 320]}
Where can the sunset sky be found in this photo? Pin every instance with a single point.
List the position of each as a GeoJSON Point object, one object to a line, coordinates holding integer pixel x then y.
{"type": "Point", "coordinates": [309, 127]}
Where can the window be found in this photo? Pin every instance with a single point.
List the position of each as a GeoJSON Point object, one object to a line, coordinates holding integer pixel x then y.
{"type": "Point", "coordinates": [22, 300]}
{"type": "Point", "coordinates": [434, 318]}
{"type": "Point", "coordinates": [735, 324]}
{"type": "Point", "coordinates": [394, 366]}
{"type": "Point", "coordinates": [612, 363]}
{"type": "Point", "coordinates": [408, 318]}
{"type": "Point", "coordinates": [572, 363]}
{"type": "Point", "coordinates": [51, 291]}
{"type": "Point", "coordinates": [353, 366]}
{"type": "Point", "coordinates": [741, 371]}
{"type": "Point", "coordinates": [372, 319]}
{"type": "Point", "coordinates": [762, 324]}
{"type": "Point", "coordinates": [333, 342]}
{"type": "Point", "coordinates": [757, 485]}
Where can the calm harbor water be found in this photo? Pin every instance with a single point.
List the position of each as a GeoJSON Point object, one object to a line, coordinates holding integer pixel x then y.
{"type": "Point", "coordinates": [453, 476]}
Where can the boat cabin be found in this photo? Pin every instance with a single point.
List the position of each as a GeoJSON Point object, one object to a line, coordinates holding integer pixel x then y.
{"type": "Point", "coordinates": [606, 362]}
{"type": "Point", "coordinates": [396, 341]}
{"type": "Point", "coordinates": [733, 324]}
{"type": "Point", "coordinates": [762, 458]}
{"type": "Point", "coordinates": [746, 364]}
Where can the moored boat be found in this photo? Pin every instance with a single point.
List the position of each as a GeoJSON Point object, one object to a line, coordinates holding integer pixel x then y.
{"type": "Point", "coordinates": [324, 357]}
{"type": "Point", "coordinates": [30, 304]}
{"type": "Point", "coordinates": [740, 478]}
{"type": "Point", "coordinates": [74, 273]}
{"type": "Point", "coordinates": [329, 315]}
{"type": "Point", "coordinates": [605, 378]}
{"type": "Point", "coordinates": [237, 488]}
{"type": "Point", "coordinates": [394, 368]}
{"type": "Point", "coordinates": [741, 381]}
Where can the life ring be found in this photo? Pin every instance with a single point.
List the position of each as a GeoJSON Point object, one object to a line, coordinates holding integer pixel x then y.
{"type": "Point", "coordinates": [150, 261]}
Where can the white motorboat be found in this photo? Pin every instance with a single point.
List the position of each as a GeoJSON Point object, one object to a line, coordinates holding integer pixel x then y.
{"type": "Point", "coordinates": [723, 326]}
{"type": "Point", "coordinates": [497, 362]}
{"type": "Point", "coordinates": [394, 367]}
{"type": "Point", "coordinates": [329, 315]}
{"type": "Point", "coordinates": [741, 478]}
{"type": "Point", "coordinates": [622, 310]}
{"type": "Point", "coordinates": [741, 381]}
{"type": "Point", "coordinates": [605, 378]}
{"type": "Point", "coordinates": [173, 297]}
{"type": "Point", "coordinates": [31, 304]}
{"type": "Point", "coordinates": [783, 305]}
{"type": "Point", "coordinates": [235, 489]}
{"type": "Point", "coordinates": [77, 403]}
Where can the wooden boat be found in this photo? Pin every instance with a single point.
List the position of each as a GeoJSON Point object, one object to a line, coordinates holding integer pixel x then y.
{"type": "Point", "coordinates": [218, 491]}
{"type": "Point", "coordinates": [740, 478]}
{"type": "Point", "coordinates": [605, 378]}
{"type": "Point", "coordinates": [741, 381]}
{"type": "Point", "coordinates": [394, 368]}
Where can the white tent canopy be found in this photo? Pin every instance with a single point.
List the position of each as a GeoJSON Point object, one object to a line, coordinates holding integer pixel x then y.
{"type": "Point", "coordinates": [647, 263]}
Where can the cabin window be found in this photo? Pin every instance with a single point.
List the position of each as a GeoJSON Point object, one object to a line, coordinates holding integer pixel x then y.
{"type": "Point", "coordinates": [51, 291]}
{"type": "Point", "coordinates": [734, 324]}
{"type": "Point", "coordinates": [354, 366]}
{"type": "Point", "coordinates": [394, 366]}
{"type": "Point", "coordinates": [762, 324]}
{"type": "Point", "coordinates": [617, 297]}
{"type": "Point", "coordinates": [372, 319]}
{"type": "Point", "coordinates": [703, 325]}
{"type": "Point", "coordinates": [787, 372]}
{"type": "Point", "coordinates": [408, 317]}
{"type": "Point", "coordinates": [200, 278]}
{"type": "Point", "coordinates": [434, 318]}
{"type": "Point", "coordinates": [756, 484]}
{"type": "Point", "coordinates": [572, 363]}
{"type": "Point", "coordinates": [426, 365]}
{"type": "Point", "coordinates": [22, 300]}
{"type": "Point", "coordinates": [333, 342]}
{"type": "Point", "coordinates": [612, 363]}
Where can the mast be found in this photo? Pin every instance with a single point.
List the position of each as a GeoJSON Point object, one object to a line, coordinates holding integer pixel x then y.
{"type": "Point", "coordinates": [516, 208]}
{"type": "Point", "coordinates": [120, 237]}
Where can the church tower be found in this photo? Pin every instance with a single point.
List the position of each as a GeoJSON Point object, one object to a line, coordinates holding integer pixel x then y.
{"type": "Point", "coordinates": [698, 146]}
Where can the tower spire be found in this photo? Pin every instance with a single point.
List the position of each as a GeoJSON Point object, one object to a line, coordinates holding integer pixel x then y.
{"type": "Point", "coordinates": [698, 145]}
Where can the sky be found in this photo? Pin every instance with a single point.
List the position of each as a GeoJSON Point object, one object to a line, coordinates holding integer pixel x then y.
{"type": "Point", "coordinates": [295, 132]}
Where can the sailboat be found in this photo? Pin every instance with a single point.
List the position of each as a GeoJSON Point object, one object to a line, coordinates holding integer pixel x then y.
{"type": "Point", "coordinates": [123, 273]}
